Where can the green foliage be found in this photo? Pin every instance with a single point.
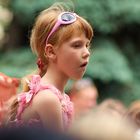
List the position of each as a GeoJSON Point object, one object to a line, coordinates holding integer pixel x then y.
{"type": "Point", "coordinates": [133, 56]}
{"type": "Point", "coordinates": [126, 94]}
{"type": "Point", "coordinates": [28, 9]}
{"type": "Point", "coordinates": [108, 16]}
{"type": "Point", "coordinates": [17, 63]}
{"type": "Point", "coordinates": [131, 94]}
{"type": "Point", "coordinates": [108, 63]}
{"type": "Point", "coordinates": [4, 3]}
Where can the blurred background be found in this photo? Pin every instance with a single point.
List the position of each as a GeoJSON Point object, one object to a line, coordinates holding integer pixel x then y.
{"type": "Point", "coordinates": [115, 59]}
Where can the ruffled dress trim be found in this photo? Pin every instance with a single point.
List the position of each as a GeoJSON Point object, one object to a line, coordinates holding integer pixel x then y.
{"type": "Point", "coordinates": [35, 86]}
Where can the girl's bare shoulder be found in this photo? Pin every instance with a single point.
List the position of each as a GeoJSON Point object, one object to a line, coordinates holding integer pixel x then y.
{"type": "Point", "coordinates": [45, 98]}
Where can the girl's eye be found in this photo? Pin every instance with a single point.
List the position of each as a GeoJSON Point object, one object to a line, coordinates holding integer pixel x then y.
{"type": "Point", "coordinates": [77, 45]}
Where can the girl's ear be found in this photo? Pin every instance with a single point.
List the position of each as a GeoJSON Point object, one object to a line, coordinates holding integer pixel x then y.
{"type": "Point", "coordinates": [50, 52]}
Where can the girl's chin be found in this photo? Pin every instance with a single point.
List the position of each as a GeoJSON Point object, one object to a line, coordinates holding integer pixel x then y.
{"type": "Point", "coordinates": [78, 77]}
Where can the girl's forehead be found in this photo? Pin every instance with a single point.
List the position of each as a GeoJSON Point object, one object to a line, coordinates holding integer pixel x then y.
{"type": "Point", "coordinates": [77, 36]}
{"type": "Point", "coordinates": [78, 33]}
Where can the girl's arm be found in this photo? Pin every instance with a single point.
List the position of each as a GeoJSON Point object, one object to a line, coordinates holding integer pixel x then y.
{"type": "Point", "coordinates": [48, 107]}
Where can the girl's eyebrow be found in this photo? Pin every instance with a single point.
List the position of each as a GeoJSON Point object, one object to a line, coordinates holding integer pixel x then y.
{"type": "Point", "coordinates": [79, 41]}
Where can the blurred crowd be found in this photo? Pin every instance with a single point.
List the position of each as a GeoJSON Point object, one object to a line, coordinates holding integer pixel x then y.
{"type": "Point", "coordinates": [107, 120]}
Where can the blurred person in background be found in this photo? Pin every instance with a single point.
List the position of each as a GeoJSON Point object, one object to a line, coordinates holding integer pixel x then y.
{"type": "Point", "coordinates": [8, 88]}
{"type": "Point", "coordinates": [83, 94]}
{"type": "Point", "coordinates": [100, 125]}
{"type": "Point", "coordinates": [114, 106]}
{"type": "Point", "coordinates": [133, 112]}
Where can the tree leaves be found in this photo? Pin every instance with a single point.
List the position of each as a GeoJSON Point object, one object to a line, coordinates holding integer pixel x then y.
{"type": "Point", "coordinates": [108, 63]}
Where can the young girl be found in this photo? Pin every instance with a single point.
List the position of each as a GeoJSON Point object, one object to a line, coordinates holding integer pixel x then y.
{"type": "Point", "coordinates": [61, 42]}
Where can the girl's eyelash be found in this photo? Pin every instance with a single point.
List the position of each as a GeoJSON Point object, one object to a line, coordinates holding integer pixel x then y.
{"type": "Point", "coordinates": [76, 45]}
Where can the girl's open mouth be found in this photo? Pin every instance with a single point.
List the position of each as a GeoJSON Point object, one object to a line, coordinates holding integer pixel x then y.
{"type": "Point", "coordinates": [84, 64]}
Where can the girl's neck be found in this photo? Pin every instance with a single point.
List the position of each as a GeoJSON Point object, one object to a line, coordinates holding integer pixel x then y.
{"type": "Point", "coordinates": [56, 79]}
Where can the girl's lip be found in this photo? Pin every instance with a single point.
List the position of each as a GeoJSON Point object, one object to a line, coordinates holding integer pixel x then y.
{"type": "Point", "coordinates": [84, 64]}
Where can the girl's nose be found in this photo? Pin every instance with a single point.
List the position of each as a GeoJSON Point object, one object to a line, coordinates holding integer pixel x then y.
{"type": "Point", "coordinates": [86, 53]}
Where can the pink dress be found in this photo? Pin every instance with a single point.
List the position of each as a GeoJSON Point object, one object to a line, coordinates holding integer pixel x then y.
{"type": "Point", "coordinates": [25, 99]}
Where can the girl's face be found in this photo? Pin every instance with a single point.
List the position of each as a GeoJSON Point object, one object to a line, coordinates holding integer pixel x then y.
{"type": "Point", "coordinates": [73, 56]}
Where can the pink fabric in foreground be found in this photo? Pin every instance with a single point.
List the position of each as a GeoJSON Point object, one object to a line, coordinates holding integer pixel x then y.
{"type": "Point", "coordinates": [35, 86]}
